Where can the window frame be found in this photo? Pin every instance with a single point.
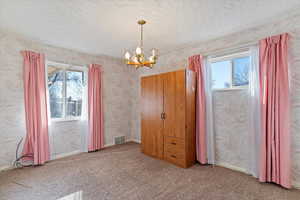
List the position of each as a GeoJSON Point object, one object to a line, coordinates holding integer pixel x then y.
{"type": "Point", "coordinates": [65, 67]}
{"type": "Point", "coordinates": [230, 57]}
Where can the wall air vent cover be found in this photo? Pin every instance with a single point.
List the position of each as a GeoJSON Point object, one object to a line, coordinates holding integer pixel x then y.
{"type": "Point", "coordinates": [120, 140]}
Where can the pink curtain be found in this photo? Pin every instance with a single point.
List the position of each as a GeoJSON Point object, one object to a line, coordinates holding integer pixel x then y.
{"type": "Point", "coordinates": [37, 139]}
{"type": "Point", "coordinates": [275, 138]}
{"type": "Point", "coordinates": [95, 108]}
{"type": "Point", "coordinates": [196, 64]}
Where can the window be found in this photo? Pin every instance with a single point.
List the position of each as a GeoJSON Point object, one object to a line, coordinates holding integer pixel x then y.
{"type": "Point", "coordinates": [230, 72]}
{"type": "Point", "coordinates": [65, 88]}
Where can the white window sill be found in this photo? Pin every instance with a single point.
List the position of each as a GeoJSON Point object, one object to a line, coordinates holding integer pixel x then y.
{"type": "Point", "coordinates": [230, 89]}
{"type": "Point", "coordinates": [65, 120]}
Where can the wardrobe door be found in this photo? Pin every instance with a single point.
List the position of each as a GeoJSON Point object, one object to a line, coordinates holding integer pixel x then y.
{"type": "Point", "coordinates": [190, 117]}
{"type": "Point", "coordinates": [152, 109]}
{"type": "Point", "coordinates": [174, 104]}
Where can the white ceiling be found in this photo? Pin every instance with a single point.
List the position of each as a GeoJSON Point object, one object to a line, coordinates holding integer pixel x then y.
{"type": "Point", "coordinates": [109, 26]}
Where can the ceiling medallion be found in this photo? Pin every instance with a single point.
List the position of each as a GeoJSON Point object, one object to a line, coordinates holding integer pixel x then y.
{"type": "Point", "coordinates": [139, 59]}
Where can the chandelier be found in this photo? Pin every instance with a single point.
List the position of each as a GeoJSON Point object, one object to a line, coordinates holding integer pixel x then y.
{"type": "Point", "coordinates": [138, 59]}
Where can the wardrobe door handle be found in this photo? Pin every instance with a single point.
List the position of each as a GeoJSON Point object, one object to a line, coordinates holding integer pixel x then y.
{"type": "Point", "coordinates": [162, 115]}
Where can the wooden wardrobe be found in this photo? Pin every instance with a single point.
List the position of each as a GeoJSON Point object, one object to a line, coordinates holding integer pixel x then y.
{"type": "Point", "coordinates": [168, 117]}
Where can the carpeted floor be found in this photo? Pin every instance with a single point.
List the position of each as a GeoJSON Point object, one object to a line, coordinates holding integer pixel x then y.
{"type": "Point", "coordinates": [122, 172]}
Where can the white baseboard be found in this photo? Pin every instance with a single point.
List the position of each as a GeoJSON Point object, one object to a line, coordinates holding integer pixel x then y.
{"type": "Point", "coordinates": [62, 155]}
{"type": "Point", "coordinates": [128, 140]}
{"type": "Point", "coordinates": [296, 185]}
{"type": "Point", "coordinates": [6, 167]}
{"type": "Point", "coordinates": [229, 166]}
{"type": "Point", "coordinates": [108, 145]}
{"type": "Point", "coordinates": [135, 140]}
{"type": "Point", "coordinates": [226, 165]}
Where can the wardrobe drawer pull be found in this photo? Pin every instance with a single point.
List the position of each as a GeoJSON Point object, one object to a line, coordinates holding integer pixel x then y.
{"type": "Point", "coordinates": [163, 115]}
{"type": "Point", "coordinates": [173, 156]}
{"type": "Point", "coordinates": [174, 143]}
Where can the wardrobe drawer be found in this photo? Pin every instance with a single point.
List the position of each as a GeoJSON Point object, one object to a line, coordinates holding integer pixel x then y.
{"type": "Point", "coordinates": [175, 157]}
{"type": "Point", "coordinates": [173, 144]}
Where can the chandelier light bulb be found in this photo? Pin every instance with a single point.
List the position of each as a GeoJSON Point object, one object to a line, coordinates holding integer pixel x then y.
{"type": "Point", "coordinates": [127, 55]}
{"type": "Point", "coordinates": [138, 51]}
{"type": "Point", "coordinates": [134, 59]}
{"type": "Point", "coordinates": [154, 52]}
{"type": "Point", "coordinates": [151, 58]}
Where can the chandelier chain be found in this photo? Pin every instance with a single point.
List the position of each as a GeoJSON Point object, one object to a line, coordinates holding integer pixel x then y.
{"type": "Point", "coordinates": [141, 43]}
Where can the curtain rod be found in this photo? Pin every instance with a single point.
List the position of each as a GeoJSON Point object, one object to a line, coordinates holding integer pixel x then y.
{"type": "Point", "coordinates": [233, 49]}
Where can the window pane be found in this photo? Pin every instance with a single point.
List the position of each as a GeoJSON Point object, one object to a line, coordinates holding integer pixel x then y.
{"type": "Point", "coordinates": [221, 74]}
{"type": "Point", "coordinates": [55, 86]}
{"type": "Point", "coordinates": [74, 83]}
{"type": "Point", "coordinates": [241, 71]}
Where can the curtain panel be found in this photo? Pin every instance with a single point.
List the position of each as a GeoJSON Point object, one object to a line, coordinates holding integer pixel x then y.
{"type": "Point", "coordinates": [196, 64]}
{"type": "Point", "coordinates": [36, 145]}
{"type": "Point", "coordinates": [210, 131]}
{"type": "Point", "coordinates": [275, 158]}
{"type": "Point", "coordinates": [254, 131]}
{"type": "Point", "coordinates": [95, 108]}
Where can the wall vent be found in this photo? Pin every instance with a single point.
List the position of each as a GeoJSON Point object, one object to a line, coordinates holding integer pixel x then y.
{"type": "Point", "coordinates": [120, 140]}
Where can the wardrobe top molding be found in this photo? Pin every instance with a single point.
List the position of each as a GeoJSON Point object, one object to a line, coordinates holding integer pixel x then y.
{"type": "Point", "coordinates": [149, 75]}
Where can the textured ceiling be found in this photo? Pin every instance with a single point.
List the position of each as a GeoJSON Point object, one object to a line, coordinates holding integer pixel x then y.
{"type": "Point", "coordinates": [109, 26]}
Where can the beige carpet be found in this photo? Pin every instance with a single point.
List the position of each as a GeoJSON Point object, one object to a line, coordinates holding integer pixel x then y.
{"type": "Point", "coordinates": [122, 172]}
